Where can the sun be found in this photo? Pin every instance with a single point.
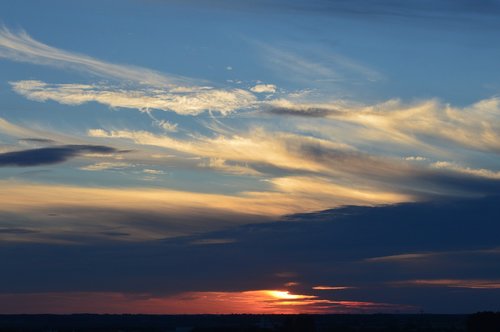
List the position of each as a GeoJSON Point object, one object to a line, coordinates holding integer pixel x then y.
{"type": "Point", "coordinates": [285, 295]}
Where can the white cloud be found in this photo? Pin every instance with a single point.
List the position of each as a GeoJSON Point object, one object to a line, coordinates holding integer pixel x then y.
{"type": "Point", "coordinates": [264, 88]}
{"type": "Point", "coordinates": [151, 89]}
{"type": "Point", "coordinates": [167, 126]}
{"type": "Point", "coordinates": [153, 171]}
{"type": "Point", "coordinates": [415, 158]}
{"type": "Point", "coordinates": [481, 172]}
{"type": "Point", "coordinates": [314, 63]}
{"type": "Point", "coordinates": [191, 103]}
{"type": "Point", "coordinates": [105, 166]}
{"type": "Point", "coordinates": [19, 46]}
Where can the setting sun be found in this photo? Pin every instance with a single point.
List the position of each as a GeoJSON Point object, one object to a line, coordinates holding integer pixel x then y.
{"type": "Point", "coordinates": [285, 295]}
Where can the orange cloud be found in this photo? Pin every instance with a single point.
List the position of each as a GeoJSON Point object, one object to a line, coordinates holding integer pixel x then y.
{"type": "Point", "coordinates": [453, 283]}
{"type": "Point", "coordinates": [331, 287]}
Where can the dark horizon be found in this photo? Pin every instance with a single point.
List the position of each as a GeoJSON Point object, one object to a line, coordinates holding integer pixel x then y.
{"type": "Point", "coordinates": [242, 322]}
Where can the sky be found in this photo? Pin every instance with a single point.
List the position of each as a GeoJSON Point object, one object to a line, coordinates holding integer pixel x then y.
{"type": "Point", "coordinates": [222, 156]}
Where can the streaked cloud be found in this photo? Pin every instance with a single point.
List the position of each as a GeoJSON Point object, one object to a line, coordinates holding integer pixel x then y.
{"type": "Point", "coordinates": [19, 46]}
{"type": "Point", "coordinates": [314, 64]}
{"type": "Point", "coordinates": [192, 102]}
{"type": "Point", "coordinates": [283, 149]}
{"type": "Point", "coordinates": [474, 126]}
{"type": "Point", "coordinates": [105, 166]}
{"type": "Point", "coordinates": [466, 170]}
{"type": "Point", "coordinates": [203, 242]}
{"type": "Point", "coordinates": [453, 283]}
{"type": "Point", "coordinates": [224, 166]}
{"type": "Point", "coordinates": [331, 287]}
{"type": "Point", "coordinates": [168, 212]}
{"type": "Point", "coordinates": [401, 257]}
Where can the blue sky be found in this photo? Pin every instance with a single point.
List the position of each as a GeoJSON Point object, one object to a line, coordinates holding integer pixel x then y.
{"type": "Point", "coordinates": [127, 123]}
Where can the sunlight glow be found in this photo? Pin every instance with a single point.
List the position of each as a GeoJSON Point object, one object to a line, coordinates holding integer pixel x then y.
{"type": "Point", "coordinates": [285, 295]}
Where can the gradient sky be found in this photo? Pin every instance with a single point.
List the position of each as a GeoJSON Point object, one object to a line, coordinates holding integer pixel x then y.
{"type": "Point", "coordinates": [223, 156]}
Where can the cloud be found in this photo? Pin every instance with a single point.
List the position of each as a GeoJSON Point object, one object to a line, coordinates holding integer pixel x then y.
{"type": "Point", "coordinates": [153, 171]}
{"type": "Point", "coordinates": [313, 64]}
{"type": "Point", "coordinates": [296, 66]}
{"type": "Point", "coordinates": [222, 165]}
{"type": "Point", "coordinates": [257, 146]}
{"type": "Point", "coordinates": [106, 166]}
{"type": "Point", "coordinates": [167, 126]}
{"type": "Point", "coordinates": [16, 230]}
{"type": "Point", "coordinates": [151, 90]}
{"type": "Point", "coordinates": [67, 211]}
{"type": "Point", "coordinates": [49, 155]}
{"type": "Point", "coordinates": [19, 46]}
{"type": "Point", "coordinates": [313, 112]}
{"type": "Point", "coordinates": [466, 170]}
{"type": "Point", "coordinates": [283, 150]}
{"type": "Point", "coordinates": [264, 88]}
{"type": "Point", "coordinates": [454, 283]}
{"type": "Point", "coordinates": [193, 102]}
{"type": "Point", "coordinates": [204, 242]}
{"type": "Point", "coordinates": [337, 165]}
{"type": "Point", "coordinates": [427, 125]}
{"type": "Point", "coordinates": [401, 257]}
{"type": "Point", "coordinates": [330, 287]}
{"type": "Point", "coordinates": [37, 140]}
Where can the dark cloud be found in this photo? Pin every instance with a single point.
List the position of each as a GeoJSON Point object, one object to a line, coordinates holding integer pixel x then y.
{"type": "Point", "coordinates": [333, 247]}
{"type": "Point", "coordinates": [115, 233]}
{"type": "Point", "coordinates": [37, 140]}
{"type": "Point", "coordinates": [313, 112]}
{"type": "Point", "coordinates": [49, 155]}
{"type": "Point", "coordinates": [16, 230]}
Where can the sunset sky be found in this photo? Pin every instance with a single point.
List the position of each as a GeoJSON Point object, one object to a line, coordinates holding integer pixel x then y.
{"type": "Point", "coordinates": [253, 156]}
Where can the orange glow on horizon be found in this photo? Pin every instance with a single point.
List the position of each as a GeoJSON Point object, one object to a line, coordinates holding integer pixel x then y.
{"type": "Point", "coordinates": [244, 302]}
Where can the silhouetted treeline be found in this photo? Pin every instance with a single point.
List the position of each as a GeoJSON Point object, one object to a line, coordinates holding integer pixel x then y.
{"type": "Point", "coordinates": [484, 322]}
{"type": "Point", "coordinates": [480, 322]}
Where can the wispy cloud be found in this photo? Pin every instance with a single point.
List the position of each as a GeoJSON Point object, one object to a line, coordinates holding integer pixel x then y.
{"type": "Point", "coordinates": [453, 283]}
{"type": "Point", "coordinates": [192, 102]}
{"type": "Point", "coordinates": [137, 87]}
{"type": "Point", "coordinates": [314, 64]}
{"type": "Point", "coordinates": [474, 126]}
{"type": "Point", "coordinates": [466, 170]}
{"type": "Point", "coordinates": [19, 46]}
{"type": "Point", "coordinates": [320, 169]}
{"type": "Point", "coordinates": [411, 257]}
{"type": "Point", "coordinates": [106, 166]}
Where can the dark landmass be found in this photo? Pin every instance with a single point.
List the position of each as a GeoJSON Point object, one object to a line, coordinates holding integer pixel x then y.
{"type": "Point", "coordinates": [480, 322]}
